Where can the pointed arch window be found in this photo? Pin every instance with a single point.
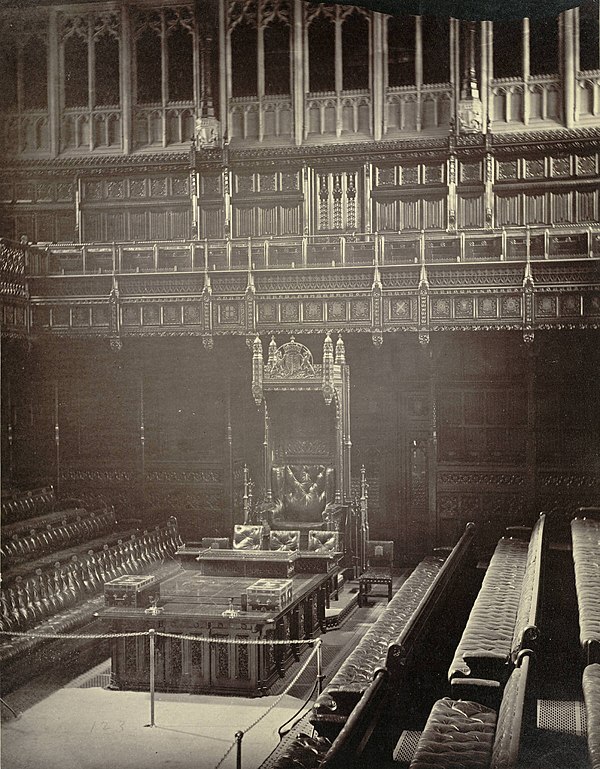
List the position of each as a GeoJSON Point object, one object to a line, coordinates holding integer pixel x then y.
{"type": "Point", "coordinates": [589, 37]}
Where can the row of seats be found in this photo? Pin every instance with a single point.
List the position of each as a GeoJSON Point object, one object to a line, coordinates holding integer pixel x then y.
{"type": "Point", "coordinates": [21, 505]}
{"type": "Point", "coordinates": [344, 712]}
{"type": "Point", "coordinates": [44, 534]}
{"type": "Point", "coordinates": [504, 618]}
{"type": "Point", "coordinates": [393, 638]}
{"type": "Point", "coordinates": [27, 600]}
{"type": "Point", "coordinates": [585, 535]}
{"type": "Point", "coordinates": [481, 725]}
{"type": "Point", "coordinates": [461, 734]}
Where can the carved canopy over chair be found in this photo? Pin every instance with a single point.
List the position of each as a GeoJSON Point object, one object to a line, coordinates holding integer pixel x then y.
{"type": "Point", "coordinates": [307, 437]}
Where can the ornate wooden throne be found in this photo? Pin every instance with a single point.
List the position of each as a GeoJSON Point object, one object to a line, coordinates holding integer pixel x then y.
{"type": "Point", "coordinates": [306, 437]}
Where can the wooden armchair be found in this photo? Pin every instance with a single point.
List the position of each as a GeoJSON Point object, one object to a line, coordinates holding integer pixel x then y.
{"type": "Point", "coordinates": [380, 561]}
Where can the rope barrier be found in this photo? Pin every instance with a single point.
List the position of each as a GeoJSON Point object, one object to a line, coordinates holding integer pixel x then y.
{"type": "Point", "coordinates": [240, 733]}
{"type": "Point", "coordinates": [74, 637]}
{"type": "Point", "coordinates": [182, 637]}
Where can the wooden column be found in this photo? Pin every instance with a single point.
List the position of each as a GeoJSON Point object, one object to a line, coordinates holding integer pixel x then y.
{"type": "Point", "coordinates": [54, 87]}
{"type": "Point", "coordinates": [486, 72]}
{"type": "Point", "coordinates": [530, 449]}
{"type": "Point", "coordinates": [297, 64]}
{"type": "Point", "coordinates": [56, 440]}
{"type": "Point", "coordinates": [260, 70]}
{"type": "Point", "coordinates": [454, 65]}
{"type": "Point", "coordinates": [164, 76]}
{"type": "Point", "coordinates": [418, 67]}
{"type": "Point", "coordinates": [339, 74]}
{"type": "Point", "coordinates": [91, 83]}
{"type": "Point", "coordinates": [125, 82]}
{"type": "Point", "coordinates": [568, 66]}
{"type": "Point", "coordinates": [224, 70]}
{"type": "Point", "coordinates": [526, 71]}
{"type": "Point", "coordinates": [379, 73]}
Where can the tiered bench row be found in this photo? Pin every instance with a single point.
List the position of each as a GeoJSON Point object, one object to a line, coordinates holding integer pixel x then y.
{"type": "Point", "coordinates": [482, 729]}
{"type": "Point", "coordinates": [56, 564]}
{"type": "Point", "coordinates": [585, 533]}
{"type": "Point", "coordinates": [22, 505]}
{"type": "Point", "coordinates": [345, 711]}
{"type": "Point", "coordinates": [392, 639]}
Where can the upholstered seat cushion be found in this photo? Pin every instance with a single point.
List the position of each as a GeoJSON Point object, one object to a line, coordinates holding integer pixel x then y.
{"type": "Point", "coordinates": [459, 734]}
{"type": "Point", "coordinates": [247, 537]}
{"type": "Point", "coordinates": [586, 557]}
{"type": "Point", "coordinates": [356, 673]}
{"type": "Point", "coordinates": [591, 694]}
{"type": "Point", "coordinates": [485, 646]}
{"type": "Point", "coordinates": [287, 540]}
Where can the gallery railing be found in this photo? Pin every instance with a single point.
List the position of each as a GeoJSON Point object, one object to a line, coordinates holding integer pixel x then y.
{"type": "Point", "coordinates": [316, 251]}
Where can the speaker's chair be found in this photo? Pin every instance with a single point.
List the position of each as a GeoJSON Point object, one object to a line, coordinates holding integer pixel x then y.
{"type": "Point", "coordinates": [303, 498]}
{"type": "Point", "coordinates": [247, 537]}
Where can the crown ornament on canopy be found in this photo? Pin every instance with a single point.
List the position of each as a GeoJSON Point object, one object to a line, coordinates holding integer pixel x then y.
{"type": "Point", "coordinates": [291, 366]}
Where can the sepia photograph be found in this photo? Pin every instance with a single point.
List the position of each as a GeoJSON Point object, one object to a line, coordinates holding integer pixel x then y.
{"type": "Point", "coordinates": [300, 384]}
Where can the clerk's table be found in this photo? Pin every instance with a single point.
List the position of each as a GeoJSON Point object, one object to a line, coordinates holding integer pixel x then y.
{"type": "Point", "coordinates": [192, 603]}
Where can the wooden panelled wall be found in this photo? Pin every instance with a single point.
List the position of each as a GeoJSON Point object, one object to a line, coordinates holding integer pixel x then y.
{"type": "Point", "coordinates": [467, 187]}
{"type": "Point", "coordinates": [471, 427]}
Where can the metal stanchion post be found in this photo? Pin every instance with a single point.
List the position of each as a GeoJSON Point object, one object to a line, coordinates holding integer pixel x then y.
{"type": "Point", "coordinates": [239, 736]}
{"type": "Point", "coordinates": [320, 675]}
{"type": "Point", "coordinates": [152, 634]}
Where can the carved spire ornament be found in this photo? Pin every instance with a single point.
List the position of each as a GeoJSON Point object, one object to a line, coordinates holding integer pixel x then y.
{"type": "Point", "coordinates": [257, 371]}
{"type": "Point", "coordinates": [328, 363]}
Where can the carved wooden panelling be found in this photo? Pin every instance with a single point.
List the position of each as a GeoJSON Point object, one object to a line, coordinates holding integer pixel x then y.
{"type": "Point", "coordinates": [247, 183]}
{"type": "Point", "coordinates": [400, 309]}
{"type": "Point", "coordinates": [230, 314]}
{"type": "Point", "coordinates": [482, 426]}
{"type": "Point", "coordinates": [212, 221]}
{"type": "Point", "coordinates": [470, 211]}
{"type": "Point", "coordinates": [172, 223]}
{"type": "Point", "coordinates": [135, 188]}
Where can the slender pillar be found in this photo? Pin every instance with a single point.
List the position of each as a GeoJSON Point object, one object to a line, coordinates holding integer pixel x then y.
{"type": "Point", "coordinates": [486, 69]}
{"type": "Point", "coordinates": [526, 72]}
{"type": "Point", "coordinates": [418, 67]}
{"type": "Point", "coordinates": [297, 63]}
{"type": "Point", "coordinates": [224, 69]}
{"type": "Point", "coordinates": [531, 428]}
{"type": "Point", "coordinates": [568, 67]}
{"type": "Point", "coordinates": [229, 447]}
{"type": "Point", "coordinates": [379, 70]}
{"type": "Point", "coordinates": [339, 74]}
{"type": "Point", "coordinates": [53, 82]}
{"type": "Point", "coordinates": [125, 82]}
{"type": "Point", "coordinates": [164, 82]}
{"type": "Point", "coordinates": [260, 70]}
{"type": "Point", "coordinates": [56, 440]}
{"type": "Point", "coordinates": [91, 84]}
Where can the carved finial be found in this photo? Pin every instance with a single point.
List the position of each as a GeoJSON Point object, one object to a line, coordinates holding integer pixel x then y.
{"type": "Point", "coordinates": [257, 370]}
{"type": "Point", "coordinates": [272, 352]}
{"type": "Point", "coordinates": [340, 351]}
{"type": "Point", "coordinates": [423, 279]}
{"type": "Point", "coordinates": [328, 369]}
